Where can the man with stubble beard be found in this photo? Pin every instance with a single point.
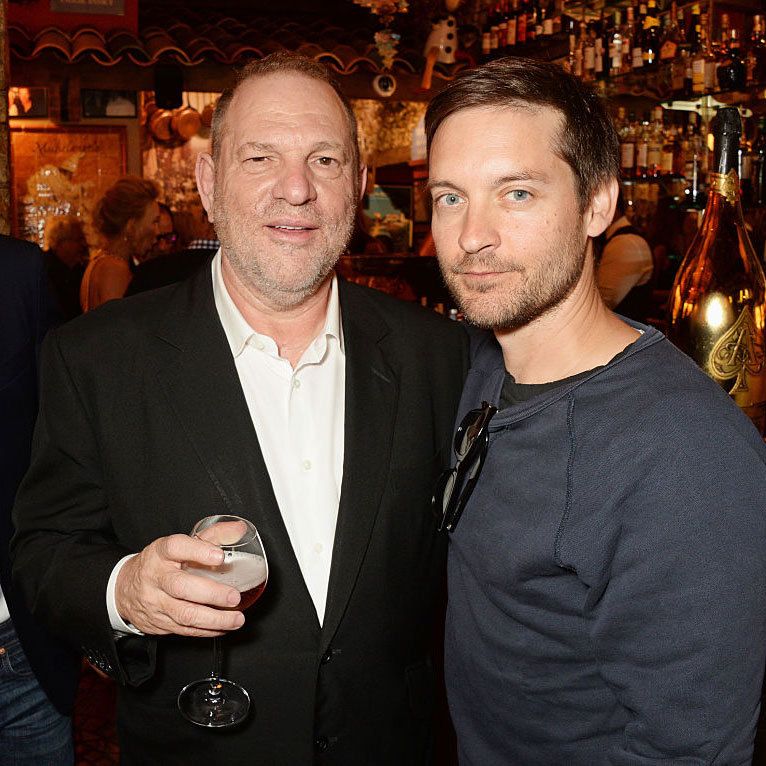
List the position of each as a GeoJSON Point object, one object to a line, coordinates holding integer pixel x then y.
{"type": "Point", "coordinates": [607, 557]}
{"type": "Point", "coordinates": [266, 388]}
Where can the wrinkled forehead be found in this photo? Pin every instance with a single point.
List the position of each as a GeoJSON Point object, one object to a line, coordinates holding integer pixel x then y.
{"type": "Point", "coordinates": [285, 100]}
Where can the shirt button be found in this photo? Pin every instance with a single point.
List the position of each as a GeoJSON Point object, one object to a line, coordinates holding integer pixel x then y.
{"type": "Point", "coordinates": [327, 657]}
{"type": "Point", "coordinates": [306, 465]}
{"type": "Point", "coordinates": [259, 344]}
{"type": "Point", "coordinates": [296, 383]}
{"type": "Point", "coordinates": [318, 548]}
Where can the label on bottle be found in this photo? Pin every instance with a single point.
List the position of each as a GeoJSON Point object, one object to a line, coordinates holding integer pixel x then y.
{"type": "Point", "coordinates": [725, 185]}
{"type": "Point", "coordinates": [637, 58]}
{"type": "Point", "coordinates": [654, 156]}
{"type": "Point", "coordinates": [590, 57]}
{"type": "Point", "coordinates": [511, 32]}
{"type": "Point", "coordinates": [627, 155]}
{"type": "Point", "coordinates": [485, 43]}
{"type": "Point", "coordinates": [710, 75]}
{"type": "Point", "coordinates": [668, 50]}
{"type": "Point", "coordinates": [698, 75]}
{"type": "Point", "coordinates": [738, 354]}
{"type": "Point", "coordinates": [548, 27]}
{"type": "Point", "coordinates": [667, 162]}
{"type": "Point", "coordinates": [642, 155]}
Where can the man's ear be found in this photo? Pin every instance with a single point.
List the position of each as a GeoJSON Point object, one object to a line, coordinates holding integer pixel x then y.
{"type": "Point", "coordinates": [204, 172]}
{"type": "Point", "coordinates": [601, 209]}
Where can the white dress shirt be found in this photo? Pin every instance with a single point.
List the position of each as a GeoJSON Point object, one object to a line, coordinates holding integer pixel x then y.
{"type": "Point", "coordinates": [298, 414]}
{"type": "Point", "coordinates": [4, 613]}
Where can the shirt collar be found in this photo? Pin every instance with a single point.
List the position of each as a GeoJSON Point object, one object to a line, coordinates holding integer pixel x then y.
{"type": "Point", "coordinates": [238, 331]}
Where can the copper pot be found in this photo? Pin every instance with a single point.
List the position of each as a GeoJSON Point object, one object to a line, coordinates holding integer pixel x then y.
{"type": "Point", "coordinates": [207, 115]}
{"type": "Point", "coordinates": [186, 122]}
{"type": "Point", "coordinates": [159, 124]}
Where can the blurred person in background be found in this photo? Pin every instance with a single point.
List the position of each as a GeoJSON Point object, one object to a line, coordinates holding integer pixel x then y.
{"type": "Point", "coordinates": [174, 267]}
{"type": "Point", "coordinates": [127, 217]}
{"type": "Point", "coordinates": [167, 237]}
{"type": "Point", "coordinates": [38, 676]}
{"type": "Point", "coordinates": [625, 268]}
{"type": "Point", "coordinates": [66, 254]}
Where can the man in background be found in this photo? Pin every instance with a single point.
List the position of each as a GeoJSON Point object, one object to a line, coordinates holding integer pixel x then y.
{"type": "Point", "coordinates": [66, 255]}
{"type": "Point", "coordinates": [625, 267]}
{"type": "Point", "coordinates": [175, 267]}
{"type": "Point", "coordinates": [38, 676]}
{"type": "Point", "coordinates": [607, 572]}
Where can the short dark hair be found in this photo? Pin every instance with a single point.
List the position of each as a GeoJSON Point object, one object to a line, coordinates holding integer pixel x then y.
{"type": "Point", "coordinates": [588, 142]}
{"type": "Point", "coordinates": [281, 61]}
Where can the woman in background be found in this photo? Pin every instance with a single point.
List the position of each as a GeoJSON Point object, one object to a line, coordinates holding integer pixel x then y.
{"type": "Point", "coordinates": [127, 218]}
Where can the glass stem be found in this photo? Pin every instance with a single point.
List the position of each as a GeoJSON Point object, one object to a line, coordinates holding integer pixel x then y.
{"type": "Point", "coordinates": [215, 688]}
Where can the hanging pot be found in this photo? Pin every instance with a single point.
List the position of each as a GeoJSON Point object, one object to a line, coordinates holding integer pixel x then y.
{"type": "Point", "coordinates": [159, 124]}
{"type": "Point", "coordinates": [207, 115]}
{"type": "Point", "coordinates": [186, 122]}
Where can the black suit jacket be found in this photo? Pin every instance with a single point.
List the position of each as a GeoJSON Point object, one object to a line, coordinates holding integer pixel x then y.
{"type": "Point", "coordinates": [167, 269]}
{"type": "Point", "coordinates": [144, 429]}
{"type": "Point", "coordinates": [25, 314]}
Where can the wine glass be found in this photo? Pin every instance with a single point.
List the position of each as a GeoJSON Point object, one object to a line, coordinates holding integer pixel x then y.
{"type": "Point", "coordinates": [215, 702]}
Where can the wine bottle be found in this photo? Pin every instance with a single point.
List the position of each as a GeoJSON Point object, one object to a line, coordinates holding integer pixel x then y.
{"type": "Point", "coordinates": [717, 306]}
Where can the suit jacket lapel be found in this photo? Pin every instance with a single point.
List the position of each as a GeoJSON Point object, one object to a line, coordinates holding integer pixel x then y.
{"type": "Point", "coordinates": [371, 393]}
{"type": "Point", "coordinates": [203, 388]}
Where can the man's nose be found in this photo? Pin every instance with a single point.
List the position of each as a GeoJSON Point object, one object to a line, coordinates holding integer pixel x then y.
{"type": "Point", "coordinates": [479, 231]}
{"type": "Point", "coordinates": [295, 184]}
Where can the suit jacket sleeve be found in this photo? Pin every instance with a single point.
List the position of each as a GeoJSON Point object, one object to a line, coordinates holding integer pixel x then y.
{"type": "Point", "coordinates": [64, 549]}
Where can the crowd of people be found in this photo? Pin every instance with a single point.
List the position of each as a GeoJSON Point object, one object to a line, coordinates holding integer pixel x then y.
{"type": "Point", "coordinates": [591, 500]}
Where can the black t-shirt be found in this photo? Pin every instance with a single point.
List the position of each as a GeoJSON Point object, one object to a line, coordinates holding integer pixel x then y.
{"type": "Point", "coordinates": [516, 393]}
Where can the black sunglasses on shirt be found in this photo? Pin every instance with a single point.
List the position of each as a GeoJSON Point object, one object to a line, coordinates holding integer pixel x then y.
{"type": "Point", "coordinates": [455, 485]}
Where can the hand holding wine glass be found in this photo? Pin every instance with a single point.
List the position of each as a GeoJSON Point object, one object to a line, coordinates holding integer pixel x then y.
{"type": "Point", "coordinates": [215, 701]}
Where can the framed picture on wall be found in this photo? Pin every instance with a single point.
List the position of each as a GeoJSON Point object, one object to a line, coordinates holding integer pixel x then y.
{"type": "Point", "coordinates": [109, 103]}
{"type": "Point", "coordinates": [389, 210]}
{"type": "Point", "coordinates": [27, 102]}
{"type": "Point", "coordinates": [62, 171]}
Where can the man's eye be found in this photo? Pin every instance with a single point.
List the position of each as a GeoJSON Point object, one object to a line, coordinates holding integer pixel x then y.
{"type": "Point", "coordinates": [256, 159]}
{"type": "Point", "coordinates": [448, 200]}
{"type": "Point", "coordinates": [326, 162]}
{"type": "Point", "coordinates": [519, 195]}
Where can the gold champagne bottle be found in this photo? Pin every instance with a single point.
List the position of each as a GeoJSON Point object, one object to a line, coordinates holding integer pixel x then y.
{"type": "Point", "coordinates": [717, 306]}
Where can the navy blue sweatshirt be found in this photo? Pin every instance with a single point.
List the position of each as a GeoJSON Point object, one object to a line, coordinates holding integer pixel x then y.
{"type": "Point", "coordinates": [607, 580]}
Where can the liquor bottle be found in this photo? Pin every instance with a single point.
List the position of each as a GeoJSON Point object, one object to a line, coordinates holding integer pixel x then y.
{"type": "Point", "coordinates": [589, 53]}
{"type": "Point", "coordinates": [695, 165]}
{"type": "Point", "coordinates": [512, 21]}
{"type": "Point", "coordinates": [628, 33]}
{"type": "Point", "coordinates": [675, 35]}
{"type": "Point", "coordinates": [521, 23]}
{"type": "Point", "coordinates": [759, 165]}
{"type": "Point", "coordinates": [655, 140]}
{"type": "Point", "coordinates": [637, 51]}
{"type": "Point", "coordinates": [697, 53]}
{"type": "Point", "coordinates": [731, 72]}
{"type": "Point", "coordinates": [718, 300]}
{"type": "Point", "coordinates": [642, 148]}
{"type": "Point", "coordinates": [627, 134]}
{"type": "Point", "coordinates": [745, 170]}
{"type": "Point", "coordinates": [650, 46]}
{"type": "Point", "coordinates": [615, 50]}
{"type": "Point", "coordinates": [669, 151]}
{"type": "Point", "coordinates": [710, 59]}
{"type": "Point", "coordinates": [756, 53]}
{"type": "Point", "coordinates": [531, 20]}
